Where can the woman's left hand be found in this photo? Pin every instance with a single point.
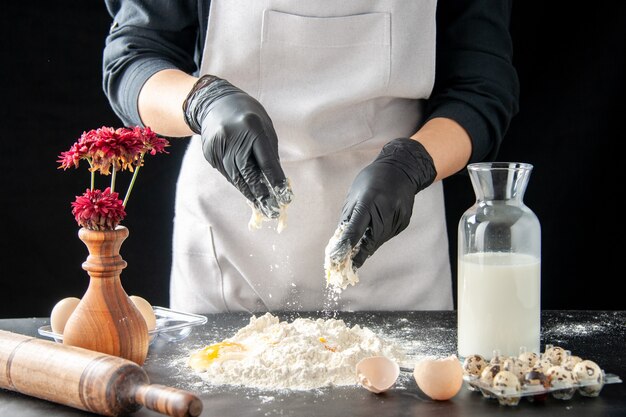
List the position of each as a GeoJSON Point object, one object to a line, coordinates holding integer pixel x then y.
{"type": "Point", "coordinates": [380, 201]}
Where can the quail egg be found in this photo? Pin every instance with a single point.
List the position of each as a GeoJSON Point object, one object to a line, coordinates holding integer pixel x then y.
{"type": "Point", "coordinates": [535, 377]}
{"type": "Point", "coordinates": [473, 365]}
{"type": "Point", "coordinates": [515, 366]}
{"type": "Point", "coordinates": [506, 384]}
{"type": "Point", "coordinates": [590, 377]}
{"type": "Point", "coordinates": [555, 354]}
{"type": "Point", "coordinates": [486, 377]}
{"type": "Point", "coordinates": [570, 361]}
{"type": "Point", "coordinates": [544, 363]}
{"type": "Point", "coordinates": [563, 380]}
{"type": "Point", "coordinates": [535, 380]}
{"type": "Point", "coordinates": [529, 359]}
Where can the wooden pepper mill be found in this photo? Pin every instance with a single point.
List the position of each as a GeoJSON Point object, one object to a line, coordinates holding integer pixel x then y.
{"type": "Point", "coordinates": [106, 320]}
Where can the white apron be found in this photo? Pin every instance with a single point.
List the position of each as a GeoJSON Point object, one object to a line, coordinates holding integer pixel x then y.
{"type": "Point", "coordinates": [339, 79]}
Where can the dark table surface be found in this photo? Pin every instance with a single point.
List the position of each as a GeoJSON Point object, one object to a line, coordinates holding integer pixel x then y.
{"type": "Point", "coordinates": [595, 335]}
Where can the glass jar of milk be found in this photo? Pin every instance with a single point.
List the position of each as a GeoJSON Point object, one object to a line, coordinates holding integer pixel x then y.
{"type": "Point", "coordinates": [499, 264]}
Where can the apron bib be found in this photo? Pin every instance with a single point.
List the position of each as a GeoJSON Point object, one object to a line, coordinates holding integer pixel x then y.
{"type": "Point", "coordinates": [339, 80]}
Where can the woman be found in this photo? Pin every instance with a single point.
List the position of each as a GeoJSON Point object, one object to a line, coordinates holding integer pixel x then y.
{"type": "Point", "coordinates": [361, 106]}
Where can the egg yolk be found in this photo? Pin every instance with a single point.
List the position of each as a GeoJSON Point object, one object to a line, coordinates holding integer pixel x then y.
{"type": "Point", "coordinates": [331, 348]}
{"type": "Point", "coordinates": [204, 357]}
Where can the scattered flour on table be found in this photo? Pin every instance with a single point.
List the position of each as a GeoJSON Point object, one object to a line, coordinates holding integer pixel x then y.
{"type": "Point", "coordinates": [578, 329]}
{"type": "Point", "coordinates": [299, 355]}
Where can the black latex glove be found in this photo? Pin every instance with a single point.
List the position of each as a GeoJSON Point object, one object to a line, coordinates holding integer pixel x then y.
{"type": "Point", "coordinates": [238, 139]}
{"type": "Point", "coordinates": [380, 201]}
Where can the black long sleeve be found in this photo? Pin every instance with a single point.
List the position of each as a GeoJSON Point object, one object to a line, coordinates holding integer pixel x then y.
{"type": "Point", "coordinates": [475, 81]}
{"type": "Point", "coordinates": [146, 36]}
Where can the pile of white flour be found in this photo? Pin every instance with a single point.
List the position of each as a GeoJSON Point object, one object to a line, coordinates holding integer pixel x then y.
{"type": "Point", "coordinates": [304, 354]}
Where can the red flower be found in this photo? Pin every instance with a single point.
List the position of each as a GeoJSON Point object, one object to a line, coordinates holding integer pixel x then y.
{"type": "Point", "coordinates": [98, 210]}
{"type": "Point", "coordinates": [106, 148]}
{"type": "Point", "coordinates": [109, 150]}
{"type": "Point", "coordinates": [152, 143]}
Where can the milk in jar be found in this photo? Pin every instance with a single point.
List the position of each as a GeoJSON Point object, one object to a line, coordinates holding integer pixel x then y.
{"type": "Point", "coordinates": [498, 303]}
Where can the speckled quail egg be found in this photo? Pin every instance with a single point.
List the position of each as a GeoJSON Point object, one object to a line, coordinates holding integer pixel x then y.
{"type": "Point", "coordinates": [535, 377]}
{"type": "Point", "coordinates": [570, 361]}
{"type": "Point", "coordinates": [473, 365]}
{"type": "Point", "coordinates": [590, 376]}
{"type": "Point", "coordinates": [528, 359]}
{"type": "Point", "coordinates": [490, 371]}
{"type": "Point", "coordinates": [555, 354]}
{"type": "Point", "coordinates": [543, 363]}
{"type": "Point", "coordinates": [562, 380]}
{"type": "Point", "coordinates": [486, 377]}
{"type": "Point", "coordinates": [535, 380]}
{"type": "Point", "coordinates": [506, 384]}
{"type": "Point", "coordinates": [515, 366]}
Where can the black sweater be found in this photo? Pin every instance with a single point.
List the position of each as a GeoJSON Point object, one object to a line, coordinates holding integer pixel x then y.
{"type": "Point", "coordinates": [475, 81]}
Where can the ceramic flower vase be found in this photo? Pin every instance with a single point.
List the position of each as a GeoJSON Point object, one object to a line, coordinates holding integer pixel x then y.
{"type": "Point", "coordinates": [106, 320]}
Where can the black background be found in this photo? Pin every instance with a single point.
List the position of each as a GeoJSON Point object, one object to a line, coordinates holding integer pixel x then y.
{"type": "Point", "coordinates": [571, 67]}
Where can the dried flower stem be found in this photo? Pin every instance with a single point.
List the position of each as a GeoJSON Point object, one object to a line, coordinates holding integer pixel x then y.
{"type": "Point", "coordinates": [132, 180]}
{"type": "Point", "coordinates": [93, 175]}
{"type": "Point", "coordinates": [113, 176]}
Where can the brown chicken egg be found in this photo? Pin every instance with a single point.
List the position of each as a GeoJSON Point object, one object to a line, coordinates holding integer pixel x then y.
{"type": "Point", "coordinates": [61, 311]}
{"type": "Point", "coordinates": [146, 310]}
{"type": "Point", "coordinates": [439, 378]}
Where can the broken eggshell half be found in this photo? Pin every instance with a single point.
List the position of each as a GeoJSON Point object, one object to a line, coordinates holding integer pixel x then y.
{"type": "Point", "coordinates": [377, 373]}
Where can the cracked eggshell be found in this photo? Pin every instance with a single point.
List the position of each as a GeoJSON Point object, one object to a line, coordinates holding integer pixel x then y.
{"type": "Point", "coordinates": [377, 373]}
{"type": "Point", "coordinates": [439, 378]}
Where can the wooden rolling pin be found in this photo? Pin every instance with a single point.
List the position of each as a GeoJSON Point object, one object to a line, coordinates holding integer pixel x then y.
{"type": "Point", "coordinates": [85, 379]}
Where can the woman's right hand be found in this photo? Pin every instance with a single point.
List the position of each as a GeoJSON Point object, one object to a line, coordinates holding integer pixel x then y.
{"type": "Point", "coordinates": [239, 140]}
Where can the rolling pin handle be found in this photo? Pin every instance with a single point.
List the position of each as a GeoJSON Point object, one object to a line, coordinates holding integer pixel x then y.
{"type": "Point", "coordinates": [167, 400]}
